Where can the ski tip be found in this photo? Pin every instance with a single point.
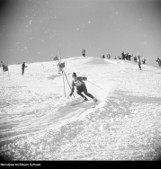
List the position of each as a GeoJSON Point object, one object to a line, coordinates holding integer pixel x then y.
{"type": "Point", "coordinates": [95, 100]}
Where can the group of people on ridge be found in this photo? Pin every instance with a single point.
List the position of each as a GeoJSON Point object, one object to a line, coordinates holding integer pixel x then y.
{"type": "Point", "coordinates": [127, 56]}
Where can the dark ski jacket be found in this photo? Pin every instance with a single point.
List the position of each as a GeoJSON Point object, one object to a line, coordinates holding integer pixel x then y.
{"type": "Point", "coordinates": [23, 66]}
{"type": "Point", "coordinates": [79, 84]}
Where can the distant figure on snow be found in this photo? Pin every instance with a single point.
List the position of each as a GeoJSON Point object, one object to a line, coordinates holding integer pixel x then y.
{"type": "Point", "coordinates": [108, 56]}
{"type": "Point", "coordinates": [129, 57]}
{"type": "Point", "coordinates": [159, 61]}
{"type": "Point", "coordinates": [123, 56]}
{"type": "Point", "coordinates": [5, 67]}
{"type": "Point", "coordinates": [126, 56]}
{"type": "Point", "coordinates": [103, 56]}
{"type": "Point", "coordinates": [60, 67]}
{"type": "Point", "coordinates": [144, 61]}
{"type": "Point", "coordinates": [81, 87]}
{"type": "Point", "coordinates": [139, 62]}
{"type": "Point", "coordinates": [23, 68]}
{"type": "Point", "coordinates": [135, 59]}
{"type": "Point", "coordinates": [83, 52]}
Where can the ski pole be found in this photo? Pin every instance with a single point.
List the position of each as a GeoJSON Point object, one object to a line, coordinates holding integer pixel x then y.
{"type": "Point", "coordinates": [67, 80]}
{"type": "Point", "coordinates": [8, 75]}
{"type": "Point", "coordinates": [64, 84]}
{"type": "Point", "coordinates": [8, 71]}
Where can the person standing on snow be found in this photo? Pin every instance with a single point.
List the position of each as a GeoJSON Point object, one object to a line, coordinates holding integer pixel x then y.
{"type": "Point", "coordinates": [23, 68]}
{"type": "Point", "coordinates": [83, 52]}
{"type": "Point", "coordinates": [139, 62]}
{"type": "Point", "coordinates": [59, 68]}
{"type": "Point", "coordinates": [81, 87]}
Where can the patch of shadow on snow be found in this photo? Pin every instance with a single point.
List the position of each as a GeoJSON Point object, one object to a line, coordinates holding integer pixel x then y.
{"type": "Point", "coordinates": [138, 99]}
{"type": "Point", "coordinates": [158, 157]}
{"type": "Point", "coordinates": [109, 132]}
{"type": "Point", "coordinates": [53, 77]}
{"type": "Point", "coordinates": [97, 61]}
{"type": "Point", "coordinates": [4, 158]}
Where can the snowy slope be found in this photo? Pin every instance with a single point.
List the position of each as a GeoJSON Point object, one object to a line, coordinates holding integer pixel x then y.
{"type": "Point", "coordinates": [37, 122]}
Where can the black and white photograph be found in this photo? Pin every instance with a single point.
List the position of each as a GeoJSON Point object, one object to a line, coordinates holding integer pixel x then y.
{"type": "Point", "coordinates": [80, 80]}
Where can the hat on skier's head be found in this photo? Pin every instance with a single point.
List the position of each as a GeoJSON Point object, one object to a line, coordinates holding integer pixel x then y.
{"type": "Point", "coordinates": [74, 74]}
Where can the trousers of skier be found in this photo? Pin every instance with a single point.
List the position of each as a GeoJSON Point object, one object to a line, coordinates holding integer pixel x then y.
{"type": "Point", "coordinates": [81, 87]}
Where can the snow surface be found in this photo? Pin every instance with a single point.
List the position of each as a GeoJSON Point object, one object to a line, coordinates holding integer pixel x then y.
{"type": "Point", "coordinates": [37, 122]}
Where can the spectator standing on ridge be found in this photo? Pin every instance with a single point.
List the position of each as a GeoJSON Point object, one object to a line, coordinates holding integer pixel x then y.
{"type": "Point", "coordinates": [139, 62]}
{"type": "Point", "coordinates": [127, 56]}
{"type": "Point", "coordinates": [23, 68]}
{"type": "Point", "coordinates": [130, 56]}
{"type": "Point", "coordinates": [108, 56]}
{"type": "Point", "coordinates": [135, 59]}
{"type": "Point", "coordinates": [83, 52]}
{"type": "Point", "coordinates": [144, 61]}
{"type": "Point", "coordinates": [122, 56]}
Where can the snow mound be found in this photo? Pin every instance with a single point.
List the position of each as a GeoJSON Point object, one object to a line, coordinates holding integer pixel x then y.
{"type": "Point", "coordinates": [39, 122]}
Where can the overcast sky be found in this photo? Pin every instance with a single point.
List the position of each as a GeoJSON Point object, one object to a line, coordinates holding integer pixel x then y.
{"type": "Point", "coordinates": [35, 30]}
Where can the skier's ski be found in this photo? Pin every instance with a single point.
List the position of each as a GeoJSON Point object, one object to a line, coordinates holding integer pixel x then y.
{"type": "Point", "coordinates": [74, 104]}
{"type": "Point", "coordinates": [95, 104]}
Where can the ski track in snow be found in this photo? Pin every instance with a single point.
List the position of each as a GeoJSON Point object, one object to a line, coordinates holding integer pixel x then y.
{"type": "Point", "coordinates": [38, 123]}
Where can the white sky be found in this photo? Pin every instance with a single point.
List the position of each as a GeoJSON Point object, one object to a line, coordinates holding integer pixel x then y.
{"type": "Point", "coordinates": [35, 30]}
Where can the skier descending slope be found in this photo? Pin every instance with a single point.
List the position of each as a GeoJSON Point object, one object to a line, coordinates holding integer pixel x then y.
{"type": "Point", "coordinates": [81, 87]}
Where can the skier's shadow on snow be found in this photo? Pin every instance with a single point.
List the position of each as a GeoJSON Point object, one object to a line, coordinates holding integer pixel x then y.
{"type": "Point", "coordinates": [69, 109]}
{"type": "Point", "coordinates": [55, 76]}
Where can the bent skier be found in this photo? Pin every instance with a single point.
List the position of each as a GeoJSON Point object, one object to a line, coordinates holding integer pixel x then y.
{"type": "Point", "coordinates": [81, 87]}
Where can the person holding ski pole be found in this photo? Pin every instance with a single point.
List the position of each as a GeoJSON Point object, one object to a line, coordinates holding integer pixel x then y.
{"type": "Point", "coordinates": [81, 87]}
